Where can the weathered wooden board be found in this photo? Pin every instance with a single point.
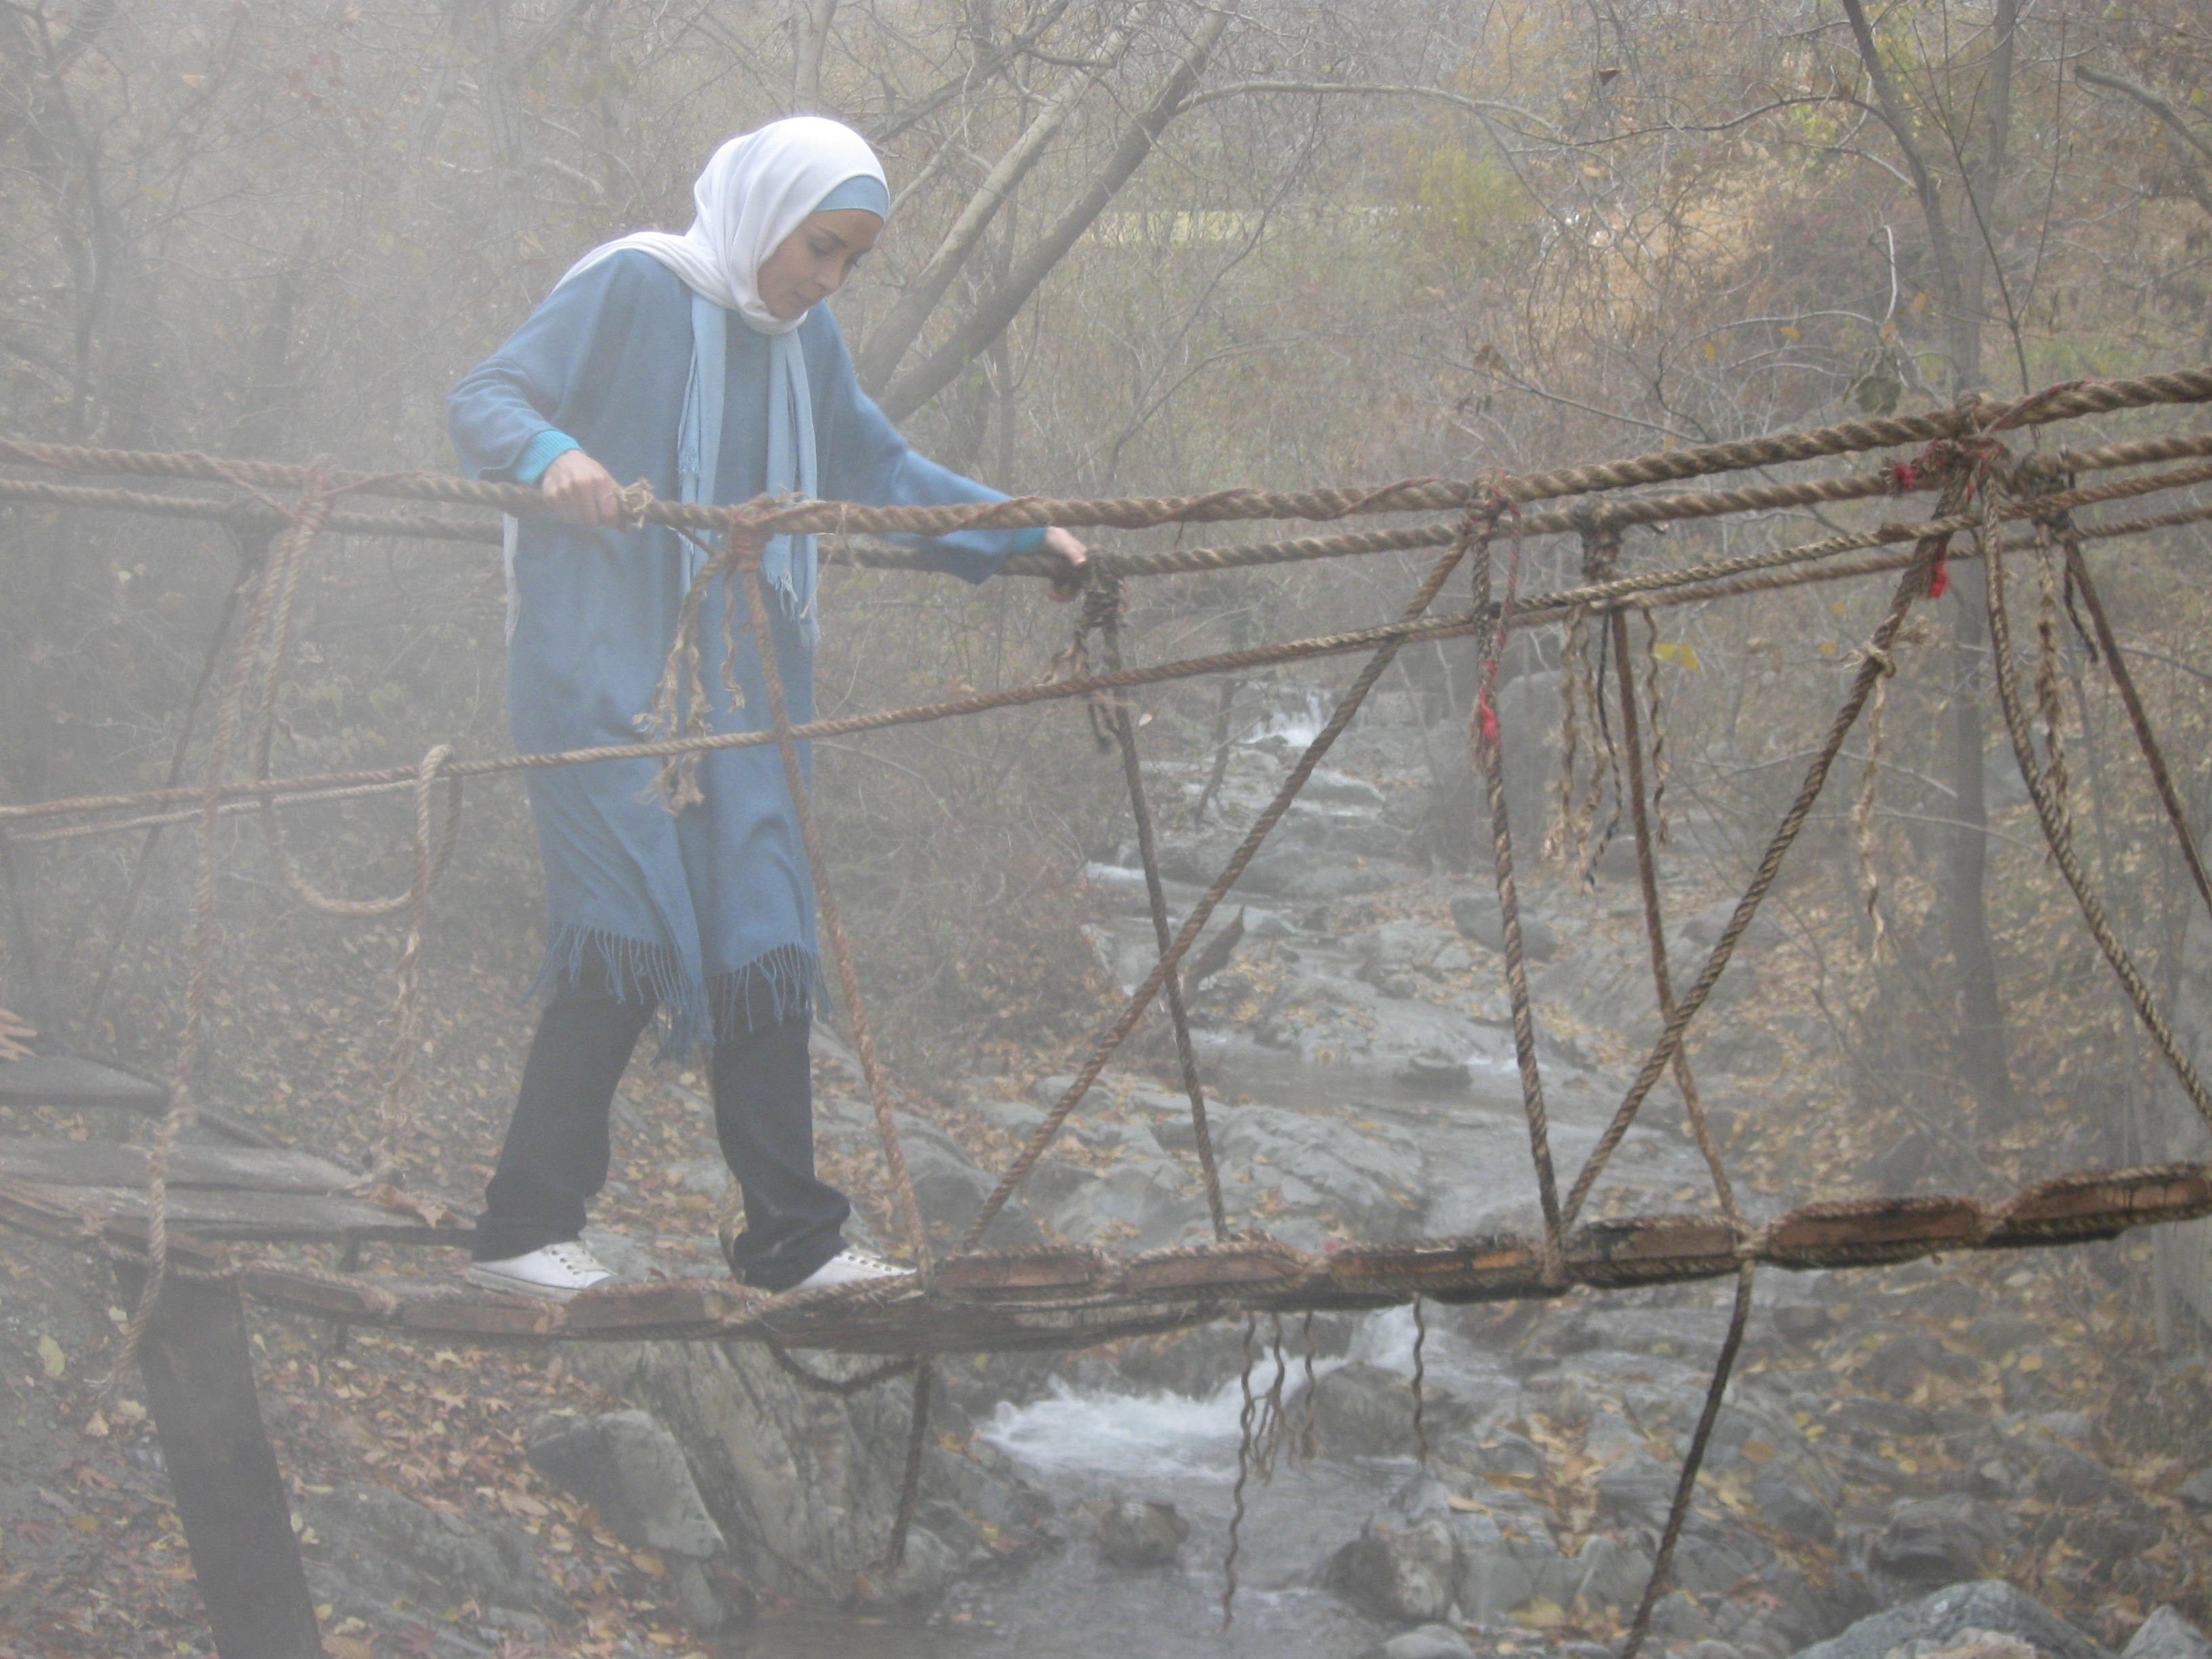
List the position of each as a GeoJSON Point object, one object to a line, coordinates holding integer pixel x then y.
{"type": "Point", "coordinates": [269, 1217]}
{"type": "Point", "coordinates": [101, 1163]}
{"type": "Point", "coordinates": [54, 1080]}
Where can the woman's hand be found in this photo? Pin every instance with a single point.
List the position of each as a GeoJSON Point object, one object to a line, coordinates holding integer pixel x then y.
{"type": "Point", "coordinates": [1074, 554]}
{"type": "Point", "coordinates": [581, 490]}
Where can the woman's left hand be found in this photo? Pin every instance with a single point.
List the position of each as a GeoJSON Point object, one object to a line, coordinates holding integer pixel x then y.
{"type": "Point", "coordinates": [1074, 554]}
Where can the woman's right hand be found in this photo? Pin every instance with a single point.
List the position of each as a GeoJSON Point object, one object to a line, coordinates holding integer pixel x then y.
{"type": "Point", "coordinates": [581, 490]}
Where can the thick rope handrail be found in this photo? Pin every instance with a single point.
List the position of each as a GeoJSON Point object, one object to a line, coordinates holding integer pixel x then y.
{"type": "Point", "coordinates": [1682, 585]}
{"type": "Point", "coordinates": [768, 517]}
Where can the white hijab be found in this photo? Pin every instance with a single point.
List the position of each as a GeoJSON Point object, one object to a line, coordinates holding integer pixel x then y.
{"type": "Point", "coordinates": [749, 197]}
{"type": "Point", "coordinates": [752, 193]}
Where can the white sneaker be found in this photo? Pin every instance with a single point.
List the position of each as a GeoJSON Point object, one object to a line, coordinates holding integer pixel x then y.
{"type": "Point", "coordinates": [556, 1271]}
{"type": "Point", "coordinates": [849, 1266]}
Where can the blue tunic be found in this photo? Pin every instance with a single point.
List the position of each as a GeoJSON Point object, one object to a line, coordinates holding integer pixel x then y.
{"type": "Point", "coordinates": [710, 912]}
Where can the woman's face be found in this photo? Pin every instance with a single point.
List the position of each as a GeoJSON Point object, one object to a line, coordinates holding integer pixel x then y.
{"type": "Point", "coordinates": [812, 263]}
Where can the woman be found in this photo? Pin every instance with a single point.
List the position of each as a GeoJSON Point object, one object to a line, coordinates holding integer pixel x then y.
{"type": "Point", "coordinates": [707, 365]}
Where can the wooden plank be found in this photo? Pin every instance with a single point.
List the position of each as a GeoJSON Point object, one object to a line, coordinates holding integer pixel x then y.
{"type": "Point", "coordinates": [60, 1080]}
{"type": "Point", "coordinates": [53, 1163]}
{"type": "Point", "coordinates": [265, 1217]}
{"type": "Point", "coordinates": [1642, 1250]}
{"type": "Point", "coordinates": [2096, 1204]}
{"type": "Point", "coordinates": [230, 1493]}
{"type": "Point", "coordinates": [1201, 1269]}
{"type": "Point", "coordinates": [1451, 1269]}
{"type": "Point", "coordinates": [1853, 1232]}
{"type": "Point", "coordinates": [1038, 1273]}
{"type": "Point", "coordinates": [661, 1305]}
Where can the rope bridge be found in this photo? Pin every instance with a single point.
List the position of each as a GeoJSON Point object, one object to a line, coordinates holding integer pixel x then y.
{"type": "Point", "coordinates": [166, 1227]}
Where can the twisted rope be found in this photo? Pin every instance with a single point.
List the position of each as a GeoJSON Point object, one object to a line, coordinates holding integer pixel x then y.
{"type": "Point", "coordinates": [742, 557]}
{"type": "Point", "coordinates": [1124, 733]}
{"type": "Point", "coordinates": [1295, 781]}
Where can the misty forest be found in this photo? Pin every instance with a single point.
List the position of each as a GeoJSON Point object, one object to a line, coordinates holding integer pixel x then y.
{"type": "Point", "coordinates": [1451, 756]}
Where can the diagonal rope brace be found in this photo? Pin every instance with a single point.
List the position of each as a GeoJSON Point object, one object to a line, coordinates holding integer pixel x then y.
{"type": "Point", "coordinates": [2050, 814]}
{"type": "Point", "coordinates": [1913, 587]}
{"type": "Point", "coordinates": [1655, 927]}
{"type": "Point", "coordinates": [1347, 706]}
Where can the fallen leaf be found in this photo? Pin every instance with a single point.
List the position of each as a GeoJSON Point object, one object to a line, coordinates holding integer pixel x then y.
{"type": "Point", "coordinates": [51, 1357]}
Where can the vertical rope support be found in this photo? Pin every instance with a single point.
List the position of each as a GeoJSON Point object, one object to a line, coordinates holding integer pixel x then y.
{"type": "Point", "coordinates": [917, 1443]}
{"type": "Point", "coordinates": [402, 1069]}
{"type": "Point", "coordinates": [1244, 1451]}
{"type": "Point", "coordinates": [1658, 725]}
{"type": "Point", "coordinates": [1654, 926]}
{"type": "Point", "coordinates": [1486, 746]}
{"type": "Point", "coordinates": [2050, 685]}
{"type": "Point", "coordinates": [1141, 999]}
{"type": "Point", "coordinates": [305, 519]}
{"type": "Point", "coordinates": [743, 562]}
{"type": "Point", "coordinates": [1601, 555]}
{"type": "Point", "coordinates": [1308, 1430]}
{"type": "Point", "coordinates": [1862, 817]}
{"type": "Point", "coordinates": [1662, 1565]}
{"type": "Point", "coordinates": [1108, 591]}
{"type": "Point", "coordinates": [1420, 1379]}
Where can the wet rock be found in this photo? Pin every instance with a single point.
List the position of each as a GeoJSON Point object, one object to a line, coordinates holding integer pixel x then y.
{"type": "Point", "coordinates": [1614, 1575]}
{"type": "Point", "coordinates": [1986, 1606]}
{"type": "Point", "coordinates": [1712, 1559]}
{"type": "Point", "coordinates": [1677, 1617]}
{"type": "Point", "coordinates": [1504, 1569]}
{"type": "Point", "coordinates": [1435, 1071]}
{"type": "Point", "coordinates": [1710, 1649]}
{"type": "Point", "coordinates": [950, 1188]}
{"type": "Point", "coordinates": [1938, 1540]}
{"type": "Point", "coordinates": [1140, 1203]}
{"type": "Point", "coordinates": [800, 1482]}
{"type": "Point", "coordinates": [1363, 1410]}
{"type": "Point", "coordinates": [1333, 788]}
{"type": "Point", "coordinates": [1636, 1492]}
{"type": "Point", "coordinates": [1897, 1366]}
{"type": "Point", "coordinates": [375, 1548]}
{"type": "Point", "coordinates": [2064, 1475]}
{"type": "Point", "coordinates": [1788, 1502]}
{"type": "Point", "coordinates": [1803, 1324]}
{"type": "Point", "coordinates": [2166, 1634]}
{"type": "Point", "coordinates": [1397, 1572]}
{"type": "Point", "coordinates": [1134, 1533]}
{"type": "Point", "coordinates": [1477, 916]}
{"type": "Point", "coordinates": [1372, 1178]}
{"type": "Point", "coordinates": [1428, 1641]}
{"type": "Point", "coordinates": [1504, 1452]}
{"type": "Point", "coordinates": [1998, 1334]}
{"type": "Point", "coordinates": [929, 1565]}
{"type": "Point", "coordinates": [630, 1467]}
{"type": "Point", "coordinates": [2195, 1492]}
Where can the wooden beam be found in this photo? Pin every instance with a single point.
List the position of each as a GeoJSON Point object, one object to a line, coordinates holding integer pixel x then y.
{"type": "Point", "coordinates": [69, 1082]}
{"type": "Point", "coordinates": [101, 1163]}
{"type": "Point", "coordinates": [199, 1371]}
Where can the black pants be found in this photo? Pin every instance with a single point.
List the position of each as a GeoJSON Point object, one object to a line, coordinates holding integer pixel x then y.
{"type": "Point", "coordinates": [555, 1159]}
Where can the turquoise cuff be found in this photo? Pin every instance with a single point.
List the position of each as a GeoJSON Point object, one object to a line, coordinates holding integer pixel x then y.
{"type": "Point", "coordinates": [540, 453]}
{"type": "Point", "coordinates": [1031, 540]}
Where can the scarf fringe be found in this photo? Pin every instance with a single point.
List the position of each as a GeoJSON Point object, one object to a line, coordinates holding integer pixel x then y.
{"type": "Point", "coordinates": [783, 984]}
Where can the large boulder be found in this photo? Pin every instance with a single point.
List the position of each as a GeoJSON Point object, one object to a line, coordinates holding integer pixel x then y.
{"type": "Point", "coordinates": [1945, 1619]}
{"type": "Point", "coordinates": [803, 1483]}
{"type": "Point", "coordinates": [1314, 1168]}
{"type": "Point", "coordinates": [1361, 1410]}
{"type": "Point", "coordinates": [1405, 1573]}
{"type": "Point", "coordinates": [1937, 1540]}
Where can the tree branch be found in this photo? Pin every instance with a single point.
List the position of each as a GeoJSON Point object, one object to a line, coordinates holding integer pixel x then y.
{"type": "Point", "coordinates": [1000, 306]}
